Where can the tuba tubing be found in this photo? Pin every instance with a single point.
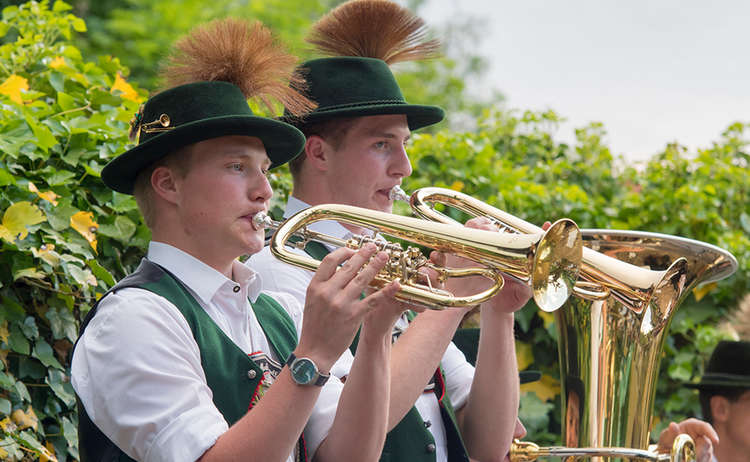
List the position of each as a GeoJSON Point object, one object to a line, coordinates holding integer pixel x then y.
{"type": "Point", "coordinates": [547, 261]}
{"type": "Point", "coordinates": [600, 274]}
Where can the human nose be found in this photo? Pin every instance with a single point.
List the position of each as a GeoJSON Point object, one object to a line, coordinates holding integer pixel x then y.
{"type": "Point", "coordinates": [261, 191]}
{"type": "Point", "coordinates": [401, 167]}
{"type": "Point", "coordinates": [520, 430]}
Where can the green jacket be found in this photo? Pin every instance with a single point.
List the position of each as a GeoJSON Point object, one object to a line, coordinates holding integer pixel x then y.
{"type": "Point", "coordinates": [226, 366]}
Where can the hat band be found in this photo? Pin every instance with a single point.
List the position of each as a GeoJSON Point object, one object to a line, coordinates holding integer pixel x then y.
{"type": "Point", "coordinates": [360, 104]}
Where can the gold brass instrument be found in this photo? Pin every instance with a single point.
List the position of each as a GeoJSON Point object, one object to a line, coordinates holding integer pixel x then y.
{"type": "Point", "coordinates": [548, 260]}
{"type": "Point", "coordinates": [610, 344]}
{"type": "Point", "coordinates": [600, 275]}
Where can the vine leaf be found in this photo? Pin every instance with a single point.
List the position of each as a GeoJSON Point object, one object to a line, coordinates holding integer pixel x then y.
{"type": "Point", "coordinates": [84, 223]}
{"type": "Point", "coordinates": [17, 217]}
{"type": "Point", "coordinates": [13, 86]}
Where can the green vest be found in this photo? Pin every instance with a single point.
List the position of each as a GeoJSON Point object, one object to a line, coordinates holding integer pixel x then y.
{"type": "Point", "coordinates": [230, 373]}
{"type": "Point", "coordinates": [410, 440]}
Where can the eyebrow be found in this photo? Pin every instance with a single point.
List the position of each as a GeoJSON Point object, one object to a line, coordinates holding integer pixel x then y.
{"type": "Point", "coordinates": [243, 155]}
{"type": "Point", "coordinates": [384, 134]}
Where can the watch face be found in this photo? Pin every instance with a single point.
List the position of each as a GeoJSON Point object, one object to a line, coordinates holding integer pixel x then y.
{"type": "Point", "coordinates": [304, 371]}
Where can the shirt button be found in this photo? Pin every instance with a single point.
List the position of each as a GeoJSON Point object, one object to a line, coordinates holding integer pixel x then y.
{"type": "Point", "coordinates": [251, 374]}
{"type": "Point", "coordinates": [430, 448]}
{"type": "Point", "coordinates": [427, 424]}
{"type": "Point", "coordinates": [236, 289]}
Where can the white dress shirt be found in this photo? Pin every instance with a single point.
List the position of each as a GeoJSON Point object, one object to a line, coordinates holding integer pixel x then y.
{"type": "Point", "coordinates": [282, 277]}
{"type": "Point", "coordinates": [137, 367]}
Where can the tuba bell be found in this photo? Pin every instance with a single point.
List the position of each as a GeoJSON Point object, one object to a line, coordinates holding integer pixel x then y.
{"type": "Point", "coordinates": [611, 334]}
{"type": "Point", "coordinates": [548, 261]}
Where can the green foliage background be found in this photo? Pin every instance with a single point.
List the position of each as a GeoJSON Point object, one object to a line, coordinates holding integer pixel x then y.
{"type": "Point", "coordinates": [71, 237]}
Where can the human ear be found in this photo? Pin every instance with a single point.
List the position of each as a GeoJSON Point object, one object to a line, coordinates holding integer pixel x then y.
{"type": "Point", "coordinates": [317, 152]}
{"type": "Point", "coordinates": [164, 184]}
{"type": "Point", "coordinates": [719, 408]}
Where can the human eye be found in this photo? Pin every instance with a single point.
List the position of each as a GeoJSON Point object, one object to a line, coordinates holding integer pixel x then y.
{"type": "Point", "coordinates": [381, 145]}
{"type": "Point", "coordinates": [236, 166]}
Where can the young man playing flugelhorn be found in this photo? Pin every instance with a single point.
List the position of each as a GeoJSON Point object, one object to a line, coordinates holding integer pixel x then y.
{"type": "Point", "coordinates": [187, 359]}
{"type": "Point", "coordinates": [355, 154]}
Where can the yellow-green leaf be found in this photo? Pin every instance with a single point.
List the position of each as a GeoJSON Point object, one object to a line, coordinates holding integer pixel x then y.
{"type": "Point", "coordinates": [26, 419]}
{"type": "Point", "coordinates": [17, 217]}
{"type": "Point", "coordinates": [58, 62]}
{"type": "Point", "coordinates": [126, 91]}
{"type": "Point", "coordinates": [700, 292]}
{"type": "Point", "coordinates": [13, 86]}
{"type": "Point", "coordinates": [84, 223]}
{"type": "Point", "coordinates": [546, 388]}
{"type": "Point", "coordinates": [4, 332]}
{"type": "Point", "coordinates": [47, 253]}
{"type": "Point", "coordinates": [49, 196]}
{"type": "Point", "coordinates": [32, 273]}
{"type": "Point", "coordinates": [524, 355]}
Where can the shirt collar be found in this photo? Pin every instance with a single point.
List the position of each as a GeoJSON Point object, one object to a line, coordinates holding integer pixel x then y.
{"type": "Point", "coordinates": [328, 227]}
{"type": "Point", "coordinates": [202, 279]}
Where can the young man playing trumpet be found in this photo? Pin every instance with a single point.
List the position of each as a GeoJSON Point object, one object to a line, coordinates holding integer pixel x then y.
{"type": "Point", "coordinates": [186, 359]}
{"type": "Point", "coordinates": [354, 154]}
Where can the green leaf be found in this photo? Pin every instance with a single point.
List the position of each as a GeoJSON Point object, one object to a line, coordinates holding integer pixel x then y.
{"type": "Point", "coordinates": [29, 328]}
{"type": "Point", "coordinates": [65, 101]}
{"type": "Point", "coordinates": [43, 352]}
{"type": "Point", "coordinates": [60, 6]}
{"type": "Point", "coordinates": [62, 323]}
{"type": "Point", "coordinates": [59, 383]}
{"type": "Point", "coordinates": [101, 272]}
{"type": "Point", "coordinates": [4, 406]}
{"type": "Point", "coordinates": [122, 229]}
{"type": "Point", "coordinates": [745, 222]}
{"type": "Point", "coordinates": [32, 273]}
{"type": "Point", "coordinates": [12, 310]}
{"type": "Point", "coordinates": [83, 277]}
{"type": "Point", "coordinates": [18, 342]}
{"type": "Point", "coordinates": [22, 391]}
{"type": "Point", "coordinates": [5, 177]}
{"type": "Point", "coordinates": [79, 25]}
{"type": "Point", "coordinates": [7, 382]}
{"type": "Point", "coordinates": [31, 368]}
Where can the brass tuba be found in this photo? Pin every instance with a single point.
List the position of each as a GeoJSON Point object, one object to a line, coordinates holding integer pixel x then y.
{"type": "Point", "coordinates": [548, 261]}
{"type": "Point", "coordinates": [610, 341]}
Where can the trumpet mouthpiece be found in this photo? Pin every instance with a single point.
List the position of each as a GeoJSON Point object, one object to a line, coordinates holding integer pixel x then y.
{"type": "Point", "coordinates": [398, 194]}
{"type": "Point", "coordinates": [261, 220]}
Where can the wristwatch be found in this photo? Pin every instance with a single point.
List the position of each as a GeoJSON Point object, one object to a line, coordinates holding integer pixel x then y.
{"type": "Point", "coordinates": [305, 372]}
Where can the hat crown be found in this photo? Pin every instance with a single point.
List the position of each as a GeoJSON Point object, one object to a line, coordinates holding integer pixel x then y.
{"type": "Point", "coordinates": [730, 357]}
{"type": "Point", "coordinates": [350, 81]}
{"type": "Point", "coordinates": [190, 103]}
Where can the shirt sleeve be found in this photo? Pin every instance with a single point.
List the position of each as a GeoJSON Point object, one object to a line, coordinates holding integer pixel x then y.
{"type": "Point", "coordinates": [459, 374]}
{"type": "Point", "coordinates": [138, 374]}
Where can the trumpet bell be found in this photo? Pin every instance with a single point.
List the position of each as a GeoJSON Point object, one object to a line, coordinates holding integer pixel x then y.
{"type": "Point", "coordinates": [555, 265]}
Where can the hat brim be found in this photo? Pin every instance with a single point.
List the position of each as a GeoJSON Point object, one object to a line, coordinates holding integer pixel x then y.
{"type": "Point", "coordinates": [418, 116]}
{"type": "Point", "coordinates": [282, 142]}
{"type": "Point", "coordinates": [708, 384]}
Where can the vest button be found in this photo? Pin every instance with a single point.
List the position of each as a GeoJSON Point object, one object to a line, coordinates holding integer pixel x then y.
{"type": "Point", "coordinates": [251, 374]}
{"type": "Point", "coordinates": [430, 448]}
{"type": "Point", "coordinates": [236, 289]}
{"type": "Point", "coordinates": [427, 424]}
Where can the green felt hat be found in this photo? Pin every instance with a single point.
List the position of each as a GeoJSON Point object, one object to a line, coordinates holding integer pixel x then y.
{"type": "Point", "coordinates": [350, 86]}
{"type": "Point", "coordinates": [728, 367]}
{"type": "Point", "coordinates": [195, 112]}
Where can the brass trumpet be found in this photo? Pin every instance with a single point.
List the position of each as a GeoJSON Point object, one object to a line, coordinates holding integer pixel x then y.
{"type": "Point", "coordinates": [549, 260]}
{"type": "Point", "coordinates": [600, 275]}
